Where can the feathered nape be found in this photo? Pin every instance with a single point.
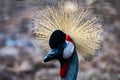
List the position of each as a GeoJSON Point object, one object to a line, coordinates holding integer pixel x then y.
{"type": "Point", "coordinates": [77, 21]}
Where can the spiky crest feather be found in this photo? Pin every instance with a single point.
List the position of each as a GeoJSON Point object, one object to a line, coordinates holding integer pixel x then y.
{"type": "Point", "coordinates": [75, 20]}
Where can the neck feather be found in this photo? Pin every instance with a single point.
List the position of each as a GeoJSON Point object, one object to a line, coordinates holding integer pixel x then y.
{"type": "Point", "coordinates": [70, 69]}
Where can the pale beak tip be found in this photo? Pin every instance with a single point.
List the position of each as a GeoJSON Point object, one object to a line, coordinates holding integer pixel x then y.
{"type": "Point", "coordinates": [43, 61]}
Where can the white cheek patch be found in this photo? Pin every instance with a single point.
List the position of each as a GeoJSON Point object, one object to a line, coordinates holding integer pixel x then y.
{"type": "Point", "coordinates": [68, 51]}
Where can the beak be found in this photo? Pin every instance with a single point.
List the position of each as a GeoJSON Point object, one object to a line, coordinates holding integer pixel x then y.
{"type": "Point", "coordinates": [50, 55]}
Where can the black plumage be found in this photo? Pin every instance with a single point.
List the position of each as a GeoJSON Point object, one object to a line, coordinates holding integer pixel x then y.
{"type": "Point", "coordinates": [56, 38]}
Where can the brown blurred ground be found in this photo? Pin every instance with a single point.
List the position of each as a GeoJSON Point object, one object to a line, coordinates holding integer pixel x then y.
{"type": "Point", "coordinates": [20, 57]}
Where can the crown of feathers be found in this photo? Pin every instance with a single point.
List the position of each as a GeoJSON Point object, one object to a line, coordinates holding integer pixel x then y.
{"type": "Point", "coordinates": [77, 21]}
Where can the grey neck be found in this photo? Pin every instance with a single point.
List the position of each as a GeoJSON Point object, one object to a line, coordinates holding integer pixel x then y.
{"type": "Point", "coordinates": [73, 67]}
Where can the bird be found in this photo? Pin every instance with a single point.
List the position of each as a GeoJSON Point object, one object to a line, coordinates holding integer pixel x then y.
{"type": "Point", "coordinates": [68, 30]}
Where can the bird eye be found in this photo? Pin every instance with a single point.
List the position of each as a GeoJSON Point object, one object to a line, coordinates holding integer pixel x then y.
{"type": "Point", "coordinates": [64, 45]}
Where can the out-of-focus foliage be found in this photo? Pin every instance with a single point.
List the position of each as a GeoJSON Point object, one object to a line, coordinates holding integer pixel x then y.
{"type": "Point", "coordinates": [20, 57]}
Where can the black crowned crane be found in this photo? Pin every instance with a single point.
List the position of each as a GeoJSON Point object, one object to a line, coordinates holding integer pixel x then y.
{"type": "Point", "coordinates": [69, 29]}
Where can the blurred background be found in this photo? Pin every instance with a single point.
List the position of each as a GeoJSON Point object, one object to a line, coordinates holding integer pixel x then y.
{"type": "Point", "coordinates": [20, 56]}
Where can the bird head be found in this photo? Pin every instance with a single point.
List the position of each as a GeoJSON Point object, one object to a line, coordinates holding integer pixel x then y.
{"type": "Point", "coordinates": [57, 45]}
{"type": "Point", "coordinates": [60, 47]}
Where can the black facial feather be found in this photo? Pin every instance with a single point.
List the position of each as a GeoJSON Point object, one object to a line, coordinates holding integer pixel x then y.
{"type": "Point", "coordinates": [57, 38]}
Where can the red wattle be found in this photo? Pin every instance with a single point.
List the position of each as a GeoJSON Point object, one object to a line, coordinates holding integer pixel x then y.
{"type": "Point", "coordinates": [63, 70]}
{"type": "Point", "coordinates": [68, 38]}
